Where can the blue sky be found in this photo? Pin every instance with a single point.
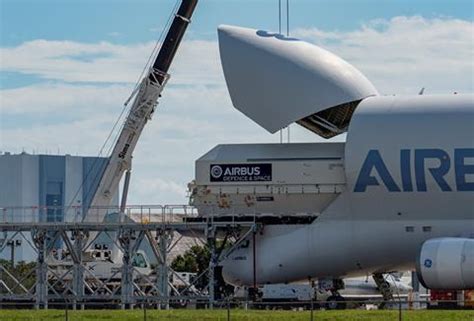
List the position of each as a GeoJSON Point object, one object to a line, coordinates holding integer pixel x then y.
{"type": "Point", "coordinates": [97, 20]}
{"type": "Point", "coordinates": [128, 22]}
{"type": "Point", "coordinates": [67, 66]}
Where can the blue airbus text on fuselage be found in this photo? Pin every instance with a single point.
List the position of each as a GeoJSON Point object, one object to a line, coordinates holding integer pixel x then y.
{"type": "Point", "coordinates": [461, 159]}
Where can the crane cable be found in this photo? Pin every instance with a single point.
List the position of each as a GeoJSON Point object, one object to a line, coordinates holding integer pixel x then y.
{"type": "Point", "coordinates": [287, 35]}
{"type": "Point", "coordinates": [153, 54]}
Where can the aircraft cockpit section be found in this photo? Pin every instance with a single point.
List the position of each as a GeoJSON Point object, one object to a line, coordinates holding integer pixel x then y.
{"type": "Point", "coordinates": [279, 180]}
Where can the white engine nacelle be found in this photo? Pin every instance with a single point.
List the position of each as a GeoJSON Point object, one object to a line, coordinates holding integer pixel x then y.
{"type": "Point", "coordinates": [447, 263]}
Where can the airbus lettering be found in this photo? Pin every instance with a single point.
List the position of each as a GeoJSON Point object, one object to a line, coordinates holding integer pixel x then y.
{"type": "Point", "coordinates": [240, 172]}
{"type": "Point", "coordinates": [463, 167]}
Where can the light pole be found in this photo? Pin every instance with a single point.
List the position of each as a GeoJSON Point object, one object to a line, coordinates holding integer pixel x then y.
{"type": "Point", "coordinates": [12, 244]}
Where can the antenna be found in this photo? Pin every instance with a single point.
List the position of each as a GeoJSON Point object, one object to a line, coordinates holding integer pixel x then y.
{"type": "Point", "coordinates": [279, 32]}
{"type": "Point", "coordinates": [279, 17]}
{"type": "Point", "coordinates": [288, 34]}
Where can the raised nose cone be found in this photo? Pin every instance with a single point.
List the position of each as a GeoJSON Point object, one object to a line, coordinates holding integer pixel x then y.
{"type": "Point", "coordinates": [276, 80]}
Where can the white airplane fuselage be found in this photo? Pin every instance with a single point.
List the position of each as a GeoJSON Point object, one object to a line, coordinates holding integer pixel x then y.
{"type": "Point", "coordinates": [409, 167]}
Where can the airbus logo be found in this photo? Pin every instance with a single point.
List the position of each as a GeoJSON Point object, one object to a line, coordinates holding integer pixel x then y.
{"type": "Point", "coordinates": [216, 171]}
{"type": "Point", "coordinates": [463, 170]}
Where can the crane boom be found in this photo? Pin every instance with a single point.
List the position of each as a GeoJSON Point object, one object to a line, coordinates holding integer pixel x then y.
{"type": "Point", "coordinates": [141, 111]}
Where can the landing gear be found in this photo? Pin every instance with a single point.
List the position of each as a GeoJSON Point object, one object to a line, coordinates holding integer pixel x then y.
{"type": "Point", "coordinates": [384, 288]}
{"type": "Point", "coordinates": [336, 302]}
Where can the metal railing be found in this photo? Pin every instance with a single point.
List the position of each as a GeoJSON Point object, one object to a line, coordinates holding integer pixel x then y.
{"type": "Point", "coordinates": [76, 214]}
{"type": "Point", "coordinates": [62, 255]}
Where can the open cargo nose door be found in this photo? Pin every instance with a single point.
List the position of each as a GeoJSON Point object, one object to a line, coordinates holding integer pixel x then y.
{"type": "Point", "coordinates": [276, 80]}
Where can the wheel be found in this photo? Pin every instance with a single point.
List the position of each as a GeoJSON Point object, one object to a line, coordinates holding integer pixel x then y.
{"type": "Point", "coordinates": [335, 302]}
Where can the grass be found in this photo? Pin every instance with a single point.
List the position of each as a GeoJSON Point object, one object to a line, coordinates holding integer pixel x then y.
{"type": "Point", "coordinates": [235, 315]}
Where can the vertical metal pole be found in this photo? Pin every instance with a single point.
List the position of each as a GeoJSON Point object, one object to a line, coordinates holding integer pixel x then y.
{"type": "Point", "coordinates": [254, 261]}
{"type": "Point", "coordinates": [41, 272]}
{"type": "Point", "coordinates": [163, 277]}
{"type": "Point", "coordinates": [127, 270]}
{"type": "Point", "coordinates": [254, 254]}
{"type": "Point", "coordinates": [415, 282]}
{"type": "Point", "coordinates": [123, 202]}
{"type": "Point", "coordinates": [279, 32]}
{"type": "Point", "coordinates": [399, 309]}
{"type": "Point", "coordinates": [311, 282]}
{"type": "Point", "coordinates": [78, 273]}
{"type": "Point", "coordinates": [416, 290]}
{"type": "Point", "coordinates": [288, 34]}
{"type": "Point", "coordinates": [211, 241]}
{"type": "Point", "coordinates": [279, 17]}
{"type": "Point", "coordinates": [12, 253]}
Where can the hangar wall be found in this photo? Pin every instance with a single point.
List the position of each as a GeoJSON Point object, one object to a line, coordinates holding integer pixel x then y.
{"type": "Point", "coordinates": [30, 181]}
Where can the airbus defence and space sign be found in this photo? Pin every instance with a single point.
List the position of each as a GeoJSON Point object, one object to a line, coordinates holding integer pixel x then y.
{"type": "Point", "coordinates": [240, 172]}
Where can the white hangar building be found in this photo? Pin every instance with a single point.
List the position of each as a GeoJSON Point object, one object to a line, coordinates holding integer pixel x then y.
{"type": "Point", "coordinates": [46, 188]}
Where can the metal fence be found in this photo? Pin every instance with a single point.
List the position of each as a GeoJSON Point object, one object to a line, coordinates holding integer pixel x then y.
{"type": "Point", "coordinates": [227, 310]}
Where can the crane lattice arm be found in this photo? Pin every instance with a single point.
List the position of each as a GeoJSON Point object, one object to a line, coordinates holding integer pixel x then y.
{"type": "Point", "coordinates": [141, 111]}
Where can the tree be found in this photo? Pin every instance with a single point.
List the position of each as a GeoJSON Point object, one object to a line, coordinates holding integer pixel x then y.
{"type": "Point", "coordinates": [22, 271]}
{"type": "Point", "coordinates": [195, 260]}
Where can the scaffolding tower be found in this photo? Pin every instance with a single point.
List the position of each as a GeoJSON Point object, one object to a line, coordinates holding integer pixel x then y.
{"type": "Point", "coordinates": [64, 272]}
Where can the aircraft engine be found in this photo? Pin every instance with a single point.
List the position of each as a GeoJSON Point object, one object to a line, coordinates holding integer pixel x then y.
{"type": "Point", "coordinates": [447, 263]}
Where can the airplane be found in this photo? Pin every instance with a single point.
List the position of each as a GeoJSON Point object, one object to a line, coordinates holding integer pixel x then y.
{"type": "Point", "coordinates": [397, 195]}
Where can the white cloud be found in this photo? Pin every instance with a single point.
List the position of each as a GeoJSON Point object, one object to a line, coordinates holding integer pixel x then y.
{"type": "Point", "coordinates": [400, 55]}
{"type": "Point", "coordinates": [158, 189]}
{"type": "Point", "coordinates": [196, 61]}
{"type": "Point", "coordinates": [63, 99]}
{"type": "Point", "coordinates": [403, 54]}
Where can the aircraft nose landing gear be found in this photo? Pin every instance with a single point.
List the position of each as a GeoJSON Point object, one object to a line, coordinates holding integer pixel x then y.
{"type": "Point", "coordinates": [335, 301]}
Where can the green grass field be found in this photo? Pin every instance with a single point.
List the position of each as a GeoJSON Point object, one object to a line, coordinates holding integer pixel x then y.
{"type": "Point", "coordinates": [235, 315]}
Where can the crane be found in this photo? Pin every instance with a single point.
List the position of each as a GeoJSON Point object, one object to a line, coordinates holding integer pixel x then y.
{"type": "Point", "coordinates": [141, 111]}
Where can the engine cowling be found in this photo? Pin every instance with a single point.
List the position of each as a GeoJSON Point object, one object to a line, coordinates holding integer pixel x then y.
{"type": "Point", "coordinates": [447, 263]}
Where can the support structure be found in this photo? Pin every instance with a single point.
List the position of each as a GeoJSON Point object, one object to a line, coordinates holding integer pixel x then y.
{"type": "Point", "coordinates": [163, 277]}
{"type": "Point", "coordinates": [73, 268]}
{"type": "Point", "coordinates": [41, 270]}
{"type": "Point", "coordinates": [211, 242]}
{"type": "Point", "coordinates": [78, 283]}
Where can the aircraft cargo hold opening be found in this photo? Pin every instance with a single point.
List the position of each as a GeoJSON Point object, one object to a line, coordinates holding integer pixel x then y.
{"type": "Point", "coordinates": [298, 179]}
